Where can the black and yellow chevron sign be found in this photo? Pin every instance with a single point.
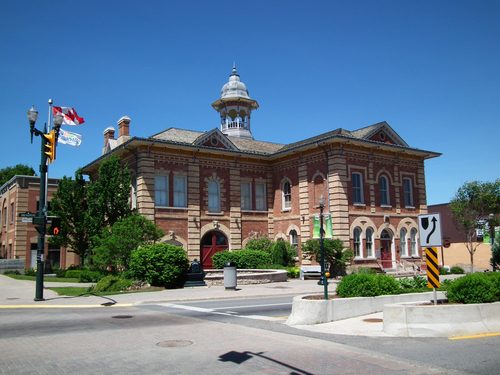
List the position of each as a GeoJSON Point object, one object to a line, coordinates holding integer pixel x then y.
{"type": "Point", "coordinates": [432, 267]}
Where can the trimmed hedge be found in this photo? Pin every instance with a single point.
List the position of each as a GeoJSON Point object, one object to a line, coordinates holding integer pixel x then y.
{"type": "Point", "coordinates": [246, 259]}
{"type": "Point", "coordinates": [367, 285]}
{"type": "Point", "coordinates": [475, 288]}
{"type": "Point", "coordinates": [159, 264]}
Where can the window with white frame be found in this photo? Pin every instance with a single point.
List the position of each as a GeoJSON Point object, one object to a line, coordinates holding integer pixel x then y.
{"type": "Point", "coordinates": [286, 190]}
{"type": "Point", "coordinates": [384, 191]}
{"type": "Point", "coordinates": [357, 242]}
{"type": "Point", "coordinates": [260, 196]}
{"type": "Point", "coordinates": [133, 194]}
{"type": "Point", "coordinates": [369, 243]}
{"type": "Point", "coordinates": [246, 195]}
{"type": "Point", "coordinates": [402, 243]}
{"type": "Point", "coordinates": [161, 191]}
{"type": "Point", "coordinates": [408, 192]}
{"type": "Point", "coordinates": [180, 190]}
{"type": "Point", "coordinates": [357, 188]}
{"type": "Point", "coordinates": [213, 196]}
{"type": "Point", "coordinates": [413, 242]}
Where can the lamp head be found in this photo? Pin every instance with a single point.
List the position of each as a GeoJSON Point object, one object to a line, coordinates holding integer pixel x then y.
{"type": "Point", "coordinates": [32, 115]}
{"type": "Point", "coordinates": [58, 120]}
{"type": "Point", "coordinates": [321, 202]}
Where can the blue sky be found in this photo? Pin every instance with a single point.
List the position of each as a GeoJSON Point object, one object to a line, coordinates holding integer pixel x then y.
{"type": "Point", "coordinates": [431, 69]}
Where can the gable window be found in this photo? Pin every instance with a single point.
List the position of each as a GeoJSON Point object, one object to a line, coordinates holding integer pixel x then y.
{"type": "Point", "coordinates": [180, 191]}
{"type": "Point", "coordinates": [213, 196]}
{"type": "Point", "coordinates": [402, 243]}
{"type": "Point", "coordinates": [357, 188]}
{"type": "Point", "coordinates": [357, 242]}
{"type": "Point", "coordinates": [286, 191]}
{"type": "Point", "coordinates": [246, 195]}
{"type": "Point", "coordinates": [369, 243]}
{"type": "Point", "coordinates": [408, 192]}
{"type": "Point", "coordinates": [161, 191]}
{"type": "Point", "coordinates": [260, 196]}
{"type": "Point", "coordinates": [413, 242]}
{"type": "Point", "coordinates": [384, 191]}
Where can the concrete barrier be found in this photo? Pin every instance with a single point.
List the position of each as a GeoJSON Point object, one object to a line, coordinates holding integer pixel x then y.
{"type": "Point", "coordinates": [12, 265]}
{"type": "Point", "coordinates": [417, 320]}
{"type": "Point", "coordinates": [316, 311]}
{"type": "Point", "coordinates": [247, 277]}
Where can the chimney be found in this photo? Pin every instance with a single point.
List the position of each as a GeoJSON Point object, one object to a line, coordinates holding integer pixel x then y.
{"type": "Point", "coordinates": [109, 134]}
{"type": "Point", "coordinates": [123, 129]}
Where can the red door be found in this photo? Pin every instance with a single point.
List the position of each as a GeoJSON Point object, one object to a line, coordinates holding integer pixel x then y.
{"type": "Point", "coordinates": [212, 243]}
{"type": "Point", "coordinates": [385, 249]}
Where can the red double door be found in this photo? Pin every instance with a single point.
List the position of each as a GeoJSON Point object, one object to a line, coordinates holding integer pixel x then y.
{"type": "Point", "coordinates": [211, 243]}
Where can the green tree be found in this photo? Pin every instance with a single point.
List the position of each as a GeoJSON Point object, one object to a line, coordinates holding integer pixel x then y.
{"type": "Point", "coordinates": [20, 169]}
{"type": "Point", "coordinates": [475, 202]}
{"type": "Point", "coordinates": [260, 242]}
{"type": "Point", "coordinates": [335, 254]}
{"type": "Point", "coordinates": [108, 195]}
{"type": "Point", "coordinates": [115, 245]}
{"type": "Point", "coordinates": [70, 204]}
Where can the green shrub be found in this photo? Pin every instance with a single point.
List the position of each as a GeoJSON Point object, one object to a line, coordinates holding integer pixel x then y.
{"type": "Point", "coordinates": [495, 278]}
{"type": "Point", "coordinates": [60, 272]}
{"type": "Point", "coordinates": [457, 270]}
{"type": "Point", "coordinates": [222, 257]}
{"type": "Point", "coordinates": [415, 283]}
{"type": "Point", "coordinates": [444, 271]}
{"type": "Point", "coordinates": [473, 288]}
{"type": "Point", "coordinates": [30, 272]}
{"type": "Point", "coordinates": [73, 274]}
{"type": "Point", "coordinates": [367, 285]}
{"type": "Point", "coordinates": [366, 270]}
{"type": "Point", "coordinates": [87, 276]}
{"type": "Point", "coordinates": [261, 243]}
{"type": "Point", "coordinates": [159, 264]}
{"type": "Point", "coordinates": [293, 272]}
{"type": "Point", "coordinates": [243, 258]}
{"type": "Point", "coordinates": [282, 253]}
{"type": "Point", "coordinates": [112, 283]}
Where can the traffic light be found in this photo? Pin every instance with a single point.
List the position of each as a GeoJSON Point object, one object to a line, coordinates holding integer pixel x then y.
{"type": "Point", "coordinates": [55, 226]}
{"type": "Point", "coordinates": [50, 145]}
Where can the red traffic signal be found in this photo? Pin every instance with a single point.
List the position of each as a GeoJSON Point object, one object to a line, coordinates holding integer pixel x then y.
{"type": "Point", "coordinates": [55, 226]}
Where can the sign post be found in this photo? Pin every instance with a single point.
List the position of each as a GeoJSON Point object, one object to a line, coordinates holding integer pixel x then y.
{"type": "Point", "coordinates": [430, 238]}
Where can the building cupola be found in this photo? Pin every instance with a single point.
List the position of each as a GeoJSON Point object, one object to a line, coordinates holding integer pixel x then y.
{"type": "Point", "coordinates": [235, 107]}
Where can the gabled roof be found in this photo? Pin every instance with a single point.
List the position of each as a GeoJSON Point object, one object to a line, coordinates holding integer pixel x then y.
{"type": "Point", "coordinates": [215, 138]}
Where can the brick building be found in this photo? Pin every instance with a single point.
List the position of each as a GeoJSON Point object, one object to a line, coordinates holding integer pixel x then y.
{"type": "Point", "coordinates": [19, 239]}
{"type": "Point", "coordinates": [212, 191]}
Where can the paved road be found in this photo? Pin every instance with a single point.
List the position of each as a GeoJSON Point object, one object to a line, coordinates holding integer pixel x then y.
{"type": "Point", "coordinates": [238, 336]}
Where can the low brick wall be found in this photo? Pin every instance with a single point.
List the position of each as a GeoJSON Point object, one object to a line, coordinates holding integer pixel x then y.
{"type": "Point", "coordinates": [247, 277]}
{"type": "Point", "coordinates": [11, 265]}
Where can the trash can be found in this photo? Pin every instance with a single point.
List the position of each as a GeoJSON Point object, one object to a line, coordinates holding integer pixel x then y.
{"type": "Point", "coordinates": [230, 275]}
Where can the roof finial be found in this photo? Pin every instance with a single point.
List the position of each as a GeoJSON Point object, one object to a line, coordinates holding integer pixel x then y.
{"type": "Point", "coordinates": [234, 72]}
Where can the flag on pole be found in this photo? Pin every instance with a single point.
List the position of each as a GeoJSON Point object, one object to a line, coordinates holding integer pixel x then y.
{"type": "Point", "coordinates": [327, 226]}
{"type": "Point", "coordinates": [69, 138]}
{"type": "Point", "coordinates": [70, 117]}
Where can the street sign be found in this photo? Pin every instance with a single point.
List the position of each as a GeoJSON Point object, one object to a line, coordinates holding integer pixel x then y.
{"type": "Point", "coordinates": [26, 214]}
{"type": "Point", "coordinates": [432, 267]}
{"type": "Point", "coordinates": [429, 227]}
{"type": "Point", "coordinates": [27, 219]}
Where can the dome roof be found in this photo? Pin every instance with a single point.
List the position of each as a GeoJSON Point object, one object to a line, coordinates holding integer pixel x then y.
{"type": "Point", "coordinates": [234, 88]}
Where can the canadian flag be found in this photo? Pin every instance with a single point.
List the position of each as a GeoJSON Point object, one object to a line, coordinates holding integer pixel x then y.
{"type": "Point", "coordinates": [70, 117]}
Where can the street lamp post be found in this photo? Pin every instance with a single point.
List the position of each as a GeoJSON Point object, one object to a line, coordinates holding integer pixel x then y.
{"type": "Point", "coordinates": [40, 219]}
{"type": "Point", "coordinates": [323, 279]}
{"type": "Point", "coordinates": [491, 225]}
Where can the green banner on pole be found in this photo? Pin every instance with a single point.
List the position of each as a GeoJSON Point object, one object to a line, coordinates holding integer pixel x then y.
{"type": "Point", "coordinates": [327, 226]}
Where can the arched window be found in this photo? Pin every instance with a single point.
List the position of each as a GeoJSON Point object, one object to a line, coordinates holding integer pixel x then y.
{"type": "Point", "coordinates": [213, 196]}
{"type": "Point", "coordinates": [286, 190]}
{"type": "Point", "coordinates": [357, 242]}
{"type": "Point", "coordinates": [369, 243]}
{"type": "Point", "coordinates": [403, 243]}
{"type": "Point", "coordinates": [383, 184]}
{"type": "Point", "coordinates": [413, 242]}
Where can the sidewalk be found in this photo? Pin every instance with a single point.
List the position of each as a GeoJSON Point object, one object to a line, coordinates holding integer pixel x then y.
{"type": "Point", "coordinates": [20, 294]}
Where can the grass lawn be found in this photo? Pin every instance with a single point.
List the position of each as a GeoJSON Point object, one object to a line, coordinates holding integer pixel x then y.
{"type": "Point", "coordinates": [45, 278]}
{"type": "Point", "coordinates": [78, 291]}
